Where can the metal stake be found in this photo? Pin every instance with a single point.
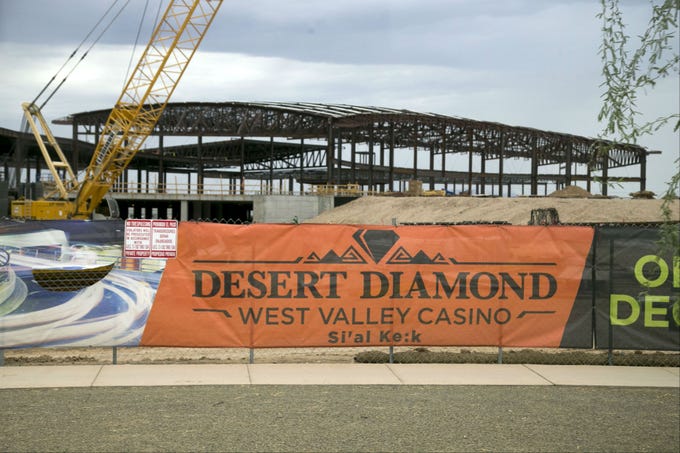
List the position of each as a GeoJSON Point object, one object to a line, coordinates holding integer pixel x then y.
{"type": "Point", "coordinates": [394, 223]}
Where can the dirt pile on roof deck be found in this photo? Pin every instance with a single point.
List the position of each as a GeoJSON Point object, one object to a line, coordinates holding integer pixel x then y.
{"type": "Point", "coordinates": [571, 192]}
{"type": "Point", "coordinates": [375, 210]}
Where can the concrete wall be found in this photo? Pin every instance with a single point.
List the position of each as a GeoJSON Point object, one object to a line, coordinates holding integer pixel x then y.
{"type": "Point", "coordinates": [289, 208]}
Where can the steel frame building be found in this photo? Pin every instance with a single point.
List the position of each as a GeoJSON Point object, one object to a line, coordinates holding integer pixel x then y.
{"type": "Point", "coordinates": [378, 149]}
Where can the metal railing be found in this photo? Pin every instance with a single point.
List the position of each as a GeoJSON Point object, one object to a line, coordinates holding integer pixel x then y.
{"type": "Point", "coordinates": [222, 188]}
{"type": "Point", "coordinates": [229, 188]}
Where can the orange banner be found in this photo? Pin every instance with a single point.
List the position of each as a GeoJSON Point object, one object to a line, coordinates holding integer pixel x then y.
{"type": "Point", "coordinates": [346, 285]}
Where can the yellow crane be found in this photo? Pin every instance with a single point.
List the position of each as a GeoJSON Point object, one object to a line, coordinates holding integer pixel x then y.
{"type": "Point", "coordinates": [132, 119]}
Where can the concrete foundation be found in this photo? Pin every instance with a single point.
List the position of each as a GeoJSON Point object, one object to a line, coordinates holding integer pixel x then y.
{"type": "Point", "coordinates": [289, 208]}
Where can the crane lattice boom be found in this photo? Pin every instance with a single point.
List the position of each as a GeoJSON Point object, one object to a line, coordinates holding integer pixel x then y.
{"type": "Point", "coordinates": [131, 121]}
{"type": "Point", "coordinates": [145, 96]}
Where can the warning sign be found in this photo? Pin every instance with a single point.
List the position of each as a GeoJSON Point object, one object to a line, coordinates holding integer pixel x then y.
{"type": "Point", "coordinates": [163, 238]}
{"type": "Point", "coordinates": [150, 238]}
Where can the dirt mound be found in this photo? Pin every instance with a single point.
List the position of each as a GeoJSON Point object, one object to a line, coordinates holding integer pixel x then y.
{"type": "Point", "coordinates": [515, 211]}
{"type": "Point", "coordinates": [646, 194]}
{"type": "Point", "coordinates": [521, 356]}
{"type": "Point", "coordinates": [571, 192]}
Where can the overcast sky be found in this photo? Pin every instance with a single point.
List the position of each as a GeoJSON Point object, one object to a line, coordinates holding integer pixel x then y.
{"type": "Point", "coordinates": [527, 63]}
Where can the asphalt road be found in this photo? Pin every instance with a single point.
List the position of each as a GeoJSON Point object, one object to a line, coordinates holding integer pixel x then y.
{"type": "Point", "coordinates": [340, 418]}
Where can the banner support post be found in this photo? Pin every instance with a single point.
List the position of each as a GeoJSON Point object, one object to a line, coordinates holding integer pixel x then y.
{"type": "Point", "coordinates": [2, 357]}
{"type": "Point", "coordinates": [251, 358]}
{"type": "Point", "coordinates": [610, 329]}
{"type": "Point", "coordinates": [391, 353]}
{"type": "Point", "coordinates": [114, 355]}
{"type": "Point", "coordinates": [594, 293]}
{"type": "Point", "coordinates": [500, 355]}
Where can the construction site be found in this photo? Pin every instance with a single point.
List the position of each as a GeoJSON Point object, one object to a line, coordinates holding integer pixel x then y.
{"type": "Point", "coordinates": [146, 157]}
{"type": "Point", "coordinates": [254, 162]}
{"type": "Point", "coordinates": [334, 243]}
{"type": "Point", "coordinates": [286, 162]}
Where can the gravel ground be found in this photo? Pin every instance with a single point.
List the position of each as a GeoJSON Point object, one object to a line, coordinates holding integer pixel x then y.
{"type": "Point", "coordinates": [132, 355]}
{"type": "Point", "coordinates": [340, 418]}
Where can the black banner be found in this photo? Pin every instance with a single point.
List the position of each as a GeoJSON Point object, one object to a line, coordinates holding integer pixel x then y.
{"type": "Point", "coordinates": [637, 289]}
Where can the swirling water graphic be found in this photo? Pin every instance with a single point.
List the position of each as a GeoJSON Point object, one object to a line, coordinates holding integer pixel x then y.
{"type": "Point", "coordinates": [12, 291]}
{"type": "Point", "coordinates": [112, 312]}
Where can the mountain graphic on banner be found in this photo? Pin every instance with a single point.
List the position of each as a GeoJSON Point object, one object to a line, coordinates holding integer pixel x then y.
{"type": "Point", "coordinates": [350, 256]}
{"type": "Point", "coordinates": [402, 256]}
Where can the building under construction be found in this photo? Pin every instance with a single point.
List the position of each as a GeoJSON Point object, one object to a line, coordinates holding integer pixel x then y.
{"type": "Point", "coordinates": [257, 161]}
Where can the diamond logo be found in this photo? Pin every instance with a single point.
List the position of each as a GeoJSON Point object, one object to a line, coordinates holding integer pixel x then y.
{"type": "Point", "coordinates": [376, 242]}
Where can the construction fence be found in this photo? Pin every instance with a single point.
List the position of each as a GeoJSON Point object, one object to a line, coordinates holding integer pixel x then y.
{"type": "Point", "coordinates": [595, 294]}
